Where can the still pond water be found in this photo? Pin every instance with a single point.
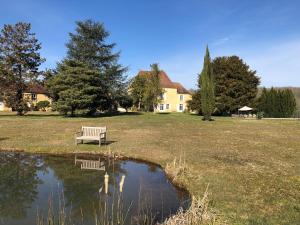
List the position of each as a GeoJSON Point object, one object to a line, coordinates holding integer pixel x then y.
{"type": "Point", "coordinates": [35, 186]}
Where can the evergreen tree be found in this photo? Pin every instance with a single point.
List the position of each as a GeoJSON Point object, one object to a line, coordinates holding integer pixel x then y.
{"type": "Point", "coordinates": [19, 62]}
{"type": "Point", "coordinates": [273, 103]}
{"type": "Point", "coordinates": [290, 103]}
{"type": "Point", "coordinates": [277, 103]}
{"type": "Point", "coordinates": [261, 102]}
{"type": "Point", "coordinates": [88, 45]}
{"type": "Point", "coordinates": [78, 87]}
{"type": "Point", "coordinates": [207, 88]}
{"type": "Point", "coordinates": [236, 84]}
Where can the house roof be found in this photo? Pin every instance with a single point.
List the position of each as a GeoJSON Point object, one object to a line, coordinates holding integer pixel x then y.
{"type": "Point", "coordinates": [165, 81]}
{"type": "Point", "coordinates": [36, 88]}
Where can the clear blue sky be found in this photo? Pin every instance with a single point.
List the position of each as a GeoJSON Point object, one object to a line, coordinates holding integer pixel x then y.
{"type": "Point", "coordinates": [174, 33]}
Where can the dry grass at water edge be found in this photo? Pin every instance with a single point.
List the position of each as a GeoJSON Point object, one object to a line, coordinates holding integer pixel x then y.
{"type": "Point", "coordinates": [198, 214]}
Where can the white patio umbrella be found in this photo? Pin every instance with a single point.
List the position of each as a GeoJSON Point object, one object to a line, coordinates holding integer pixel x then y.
{"type": "Point", "coordinates": [245, 108]}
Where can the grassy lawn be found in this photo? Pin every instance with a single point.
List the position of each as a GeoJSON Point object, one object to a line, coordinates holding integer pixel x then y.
{"type": "Point", "coordinates": [252, 166]}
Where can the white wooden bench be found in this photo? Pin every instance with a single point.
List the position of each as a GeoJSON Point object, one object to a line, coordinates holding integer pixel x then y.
{"type": "Point", "coordinates": [91, 134]}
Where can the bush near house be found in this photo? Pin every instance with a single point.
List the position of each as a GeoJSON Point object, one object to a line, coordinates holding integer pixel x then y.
{"type": "Point", "coordinates": [42, 105]}
{"type": "Point", "coordinates": [125, 102]}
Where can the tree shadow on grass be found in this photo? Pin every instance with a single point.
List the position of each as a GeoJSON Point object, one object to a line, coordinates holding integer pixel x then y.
{"type": "Point", "coordinates": [56, 115]}
{"type": "Point", "coordinates": [30, 115]}
{"type": "Point", "coordinates": [3, 138]}
{"type": "Point", "coordinates": [162, 113]}
{"type": "Point", "coordinates": [111, 114]}
{"type": "Point", "coordinates": [196, 114]}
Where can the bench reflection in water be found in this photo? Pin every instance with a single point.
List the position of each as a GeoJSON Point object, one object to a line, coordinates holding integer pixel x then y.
{"type": "Point", "coordinates": [86, 164]}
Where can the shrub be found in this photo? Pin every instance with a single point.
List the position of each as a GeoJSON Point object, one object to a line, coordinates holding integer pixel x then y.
{"type": "Point", "coordinates": [42, 105]}
{"type": "Point", "coordinates": [125, 102]}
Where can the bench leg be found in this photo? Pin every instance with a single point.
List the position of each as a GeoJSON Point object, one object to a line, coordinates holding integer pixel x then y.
{"type": "Point", "coordinates": [76, 141]}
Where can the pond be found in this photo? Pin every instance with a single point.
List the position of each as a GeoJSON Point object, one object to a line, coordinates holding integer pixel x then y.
{"type": "Point", "coordinates": [71, 189]}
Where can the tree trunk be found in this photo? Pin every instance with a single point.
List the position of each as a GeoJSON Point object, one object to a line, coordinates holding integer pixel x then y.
{"type": "Point", "coordinates": [72, 111]}
{"type": "Point", "coordinates": [19, 103]}
{"type": "Point", "coordinates": [139, 107]}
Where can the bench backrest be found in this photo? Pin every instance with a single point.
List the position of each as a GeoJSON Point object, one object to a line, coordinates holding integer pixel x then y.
{"type": "Point", "coordinates": [93, 131]}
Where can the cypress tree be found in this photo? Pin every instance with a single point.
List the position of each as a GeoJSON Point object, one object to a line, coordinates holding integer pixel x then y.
{"type": "Point", "coordinates": [207, 88]}
{"type": "Point", "coordinates": [272, 110]}
{"type": "Point", "coordinates": [277, 103]}
{"type": "Point", "coordinates": [281, 104]}
{"type": "Point", "coordinates": [290, 102]}
{"type": "Point", "coordinates": [262, 101]}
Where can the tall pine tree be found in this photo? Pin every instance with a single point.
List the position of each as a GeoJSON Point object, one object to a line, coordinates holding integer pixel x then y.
{"type": "Point", "coordinates": [88, 45]}
{"type": "Point", "coordinates": [207, 88]}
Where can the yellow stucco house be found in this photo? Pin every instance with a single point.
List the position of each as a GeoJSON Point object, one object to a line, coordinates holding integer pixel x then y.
{"type": "Point", "coordinates": [174, 97]}
{"type": "Point", "coordinates": [33, 94]}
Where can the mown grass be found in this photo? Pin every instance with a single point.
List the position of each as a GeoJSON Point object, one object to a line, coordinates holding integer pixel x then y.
{"type": "Point", "coordinates": [252, 166]}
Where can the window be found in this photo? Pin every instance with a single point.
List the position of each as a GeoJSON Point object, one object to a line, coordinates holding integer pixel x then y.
{"type": "Point", "coordinates": [181, 97]}
{"type": "Point", "coordinates": [180, 107]}
{"type": "Point", "coordinates": [161, 96]}
{"type": "Point", "coordinates": [33, 97]}
{"type": "Point", "coordinates": [161, 107]}
{"type": "Point", "coordinates": [167, 106]}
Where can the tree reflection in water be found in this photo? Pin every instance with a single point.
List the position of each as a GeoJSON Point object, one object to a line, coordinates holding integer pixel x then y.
{"type": "Point", "coordinates": [81, 187]}
{"type": "Point", "coordinates": [28, 182]}
{"type": "Point", "coordinates": [19, 182]}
